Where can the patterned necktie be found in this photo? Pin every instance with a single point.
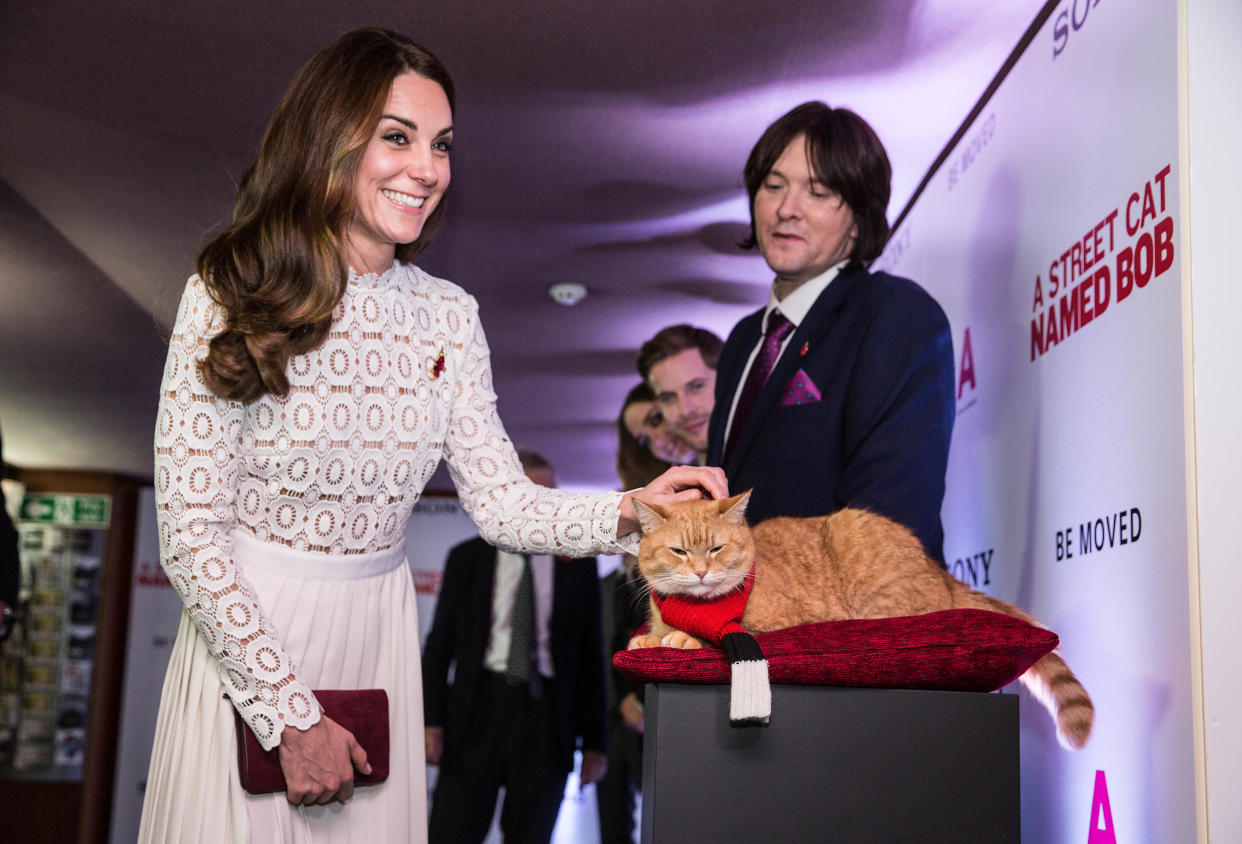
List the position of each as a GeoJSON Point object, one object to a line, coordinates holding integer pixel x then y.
{"type": "Point", "coordinates": [777, 330]}
{"type": "Point", "coordinates": [522, 666]}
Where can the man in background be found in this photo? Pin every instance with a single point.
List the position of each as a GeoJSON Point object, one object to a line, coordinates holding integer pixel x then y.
{"type": "Point", "coordinates": [521, 637]}
{"type": "Point", "coordinates": [840, 391]}
{"type": "Point", "coordinates": [679, 363]}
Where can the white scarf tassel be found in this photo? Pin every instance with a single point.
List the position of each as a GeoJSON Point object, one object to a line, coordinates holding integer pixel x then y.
{"type": "Point", "coordinates": [750, 697]}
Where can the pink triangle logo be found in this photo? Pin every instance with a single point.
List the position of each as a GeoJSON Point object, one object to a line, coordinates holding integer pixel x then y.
{"type": "Point", "coordinates": [1101, 814]}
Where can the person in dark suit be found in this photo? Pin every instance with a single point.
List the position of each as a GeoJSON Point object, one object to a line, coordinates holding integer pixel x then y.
{"type": "Point", "coordinates": [517, 705]}
{"type": "Point", "coordinates": [857, 405]}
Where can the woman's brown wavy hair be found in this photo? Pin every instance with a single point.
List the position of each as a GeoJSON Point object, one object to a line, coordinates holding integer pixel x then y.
{"type": "Point", "coordinates": [279, 268]}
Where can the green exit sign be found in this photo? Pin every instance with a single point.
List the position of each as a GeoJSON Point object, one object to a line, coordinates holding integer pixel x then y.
{"type": "Point", "coordinates": [87, 511]}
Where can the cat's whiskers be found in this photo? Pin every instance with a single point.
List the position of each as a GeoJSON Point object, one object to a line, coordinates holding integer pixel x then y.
{"type": "Point", "coordinates": [643, 591]}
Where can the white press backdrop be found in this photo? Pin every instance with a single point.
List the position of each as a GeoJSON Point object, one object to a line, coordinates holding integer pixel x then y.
{"type": "Point", "coordinates": [1050, 236]}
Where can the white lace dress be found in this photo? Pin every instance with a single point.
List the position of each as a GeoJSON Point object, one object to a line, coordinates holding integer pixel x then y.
{"type": "Point", "coordinates": [282, 527]}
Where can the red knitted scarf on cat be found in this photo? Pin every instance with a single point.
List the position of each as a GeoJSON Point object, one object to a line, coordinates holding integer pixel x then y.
{"type": "Point", "coordinates": [707, 618]}
{"type": "Point", "coordinates": [719, 621]}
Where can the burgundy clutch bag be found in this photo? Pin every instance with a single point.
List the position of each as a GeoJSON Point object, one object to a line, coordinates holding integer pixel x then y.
{"type": "Point", "coordinates": [364, 712]}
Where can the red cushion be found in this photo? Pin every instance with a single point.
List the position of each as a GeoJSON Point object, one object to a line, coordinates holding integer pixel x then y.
{"type": "Point", "coordinates": [951, 650]}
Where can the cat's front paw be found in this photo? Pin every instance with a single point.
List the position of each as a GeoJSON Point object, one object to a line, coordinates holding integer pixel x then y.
{"type": "Point", "coordinates": [679, 639]}
{"type": "Point", "coordinates": [647, 640]}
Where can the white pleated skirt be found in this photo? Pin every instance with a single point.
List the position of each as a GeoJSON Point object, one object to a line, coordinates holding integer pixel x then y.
{"type": "Point", "coordinates": [349, 622]}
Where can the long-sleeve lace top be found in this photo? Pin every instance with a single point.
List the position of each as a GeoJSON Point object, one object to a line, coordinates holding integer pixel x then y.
{"type": "Point", "coordinates": [403, 379]}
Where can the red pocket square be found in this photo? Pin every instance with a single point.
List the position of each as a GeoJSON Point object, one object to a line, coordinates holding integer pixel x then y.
{"type": "Point", "coordinates": [800, 389]}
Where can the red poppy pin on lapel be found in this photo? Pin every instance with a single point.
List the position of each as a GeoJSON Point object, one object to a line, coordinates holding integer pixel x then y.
{"type": "Point", "coordinates": [806, 347]}
{"type": "Point", "coordinates": [438, 367]}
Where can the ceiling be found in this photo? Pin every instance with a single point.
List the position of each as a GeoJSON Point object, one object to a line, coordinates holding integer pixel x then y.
{"type": "Point", "coordinates": [595, 142]}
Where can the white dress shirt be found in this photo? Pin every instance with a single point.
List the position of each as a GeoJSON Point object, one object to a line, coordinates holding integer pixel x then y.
{"type": "Point", "coordinates": [508, 574]}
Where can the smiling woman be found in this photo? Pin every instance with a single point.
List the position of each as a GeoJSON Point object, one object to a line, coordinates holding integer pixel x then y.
{"type": "Point", "coordinates": [403, 173]}
{"type": "Point", "coordinates": [278, 269]}
{"type": "Point", "coordinates": [315, 378]}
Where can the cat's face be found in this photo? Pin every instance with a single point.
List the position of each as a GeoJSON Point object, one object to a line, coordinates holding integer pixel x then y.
{"type": "Point", "coordinates": [698, 548]}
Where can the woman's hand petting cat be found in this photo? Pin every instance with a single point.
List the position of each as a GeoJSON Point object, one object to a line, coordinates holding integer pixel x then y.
{"type": "Point", "coordinates": [319, 763]}
{"type": "Point", "coordinates": [680, 483]}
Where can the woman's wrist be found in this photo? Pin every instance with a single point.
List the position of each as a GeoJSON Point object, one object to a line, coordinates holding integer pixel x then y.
{"type": "Point", "coordinates": [627, 516]}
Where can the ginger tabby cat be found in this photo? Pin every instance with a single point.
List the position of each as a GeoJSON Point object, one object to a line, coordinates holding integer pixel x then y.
{"type": "Point", "coordinates": [851, 564]}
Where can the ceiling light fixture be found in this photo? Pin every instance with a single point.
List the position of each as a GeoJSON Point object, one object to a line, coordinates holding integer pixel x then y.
{"type": "Point", "coordinates": [567, 293]}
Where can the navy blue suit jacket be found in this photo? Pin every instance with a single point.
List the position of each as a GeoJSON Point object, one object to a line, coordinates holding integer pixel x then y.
{"type": "Point", "coordinates": [462, 626]}
{"type": "Point", "coordinates": [879, 350]}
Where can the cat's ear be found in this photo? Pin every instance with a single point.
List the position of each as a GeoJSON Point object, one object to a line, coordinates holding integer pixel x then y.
{"type": "Point", "coordinates": [650, 516]}
{"type": "Point", "coordinates": [734, 509]}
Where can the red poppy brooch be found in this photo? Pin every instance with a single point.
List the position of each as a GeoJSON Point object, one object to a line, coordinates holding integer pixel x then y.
{"type": "Point", "coordinates": [438, 367]}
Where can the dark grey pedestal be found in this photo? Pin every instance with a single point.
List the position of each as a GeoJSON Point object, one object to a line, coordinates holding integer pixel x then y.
{"type": "Point", "coordinates": [834, 765]}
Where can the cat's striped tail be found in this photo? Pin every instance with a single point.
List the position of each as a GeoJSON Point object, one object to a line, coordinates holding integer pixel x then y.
{"type": "Point", "coordinates": [1053, 684]}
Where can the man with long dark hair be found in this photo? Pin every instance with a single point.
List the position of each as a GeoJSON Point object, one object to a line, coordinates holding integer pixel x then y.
{"type": "Point", "coordinates": [840, 391]}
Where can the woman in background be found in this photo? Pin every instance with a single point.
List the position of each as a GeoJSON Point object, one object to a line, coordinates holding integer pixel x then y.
{"type": "Point", "coordinates": [315, 378]}
{"type": "Point", "coordinates": [647, 444]}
